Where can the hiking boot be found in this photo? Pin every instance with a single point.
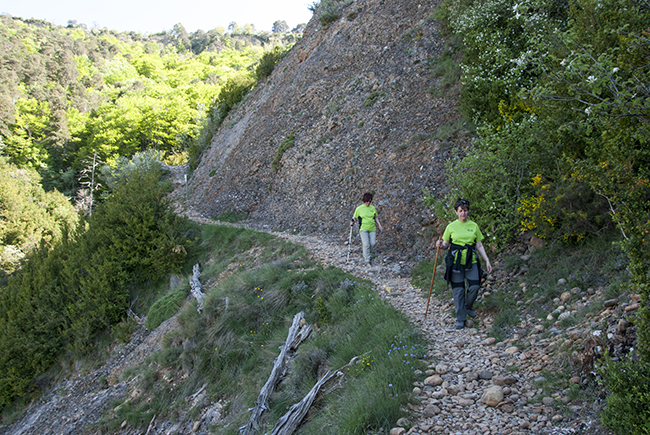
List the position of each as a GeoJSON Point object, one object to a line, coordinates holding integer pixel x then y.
{"type": "Point", "coordinates": [460, 325]}
{"type": "Point", "coordinates": [471, 313]}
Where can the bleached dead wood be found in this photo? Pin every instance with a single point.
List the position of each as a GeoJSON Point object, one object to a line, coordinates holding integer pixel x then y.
{"type": "Point", "coordinates": [195, 285]}
{"type": "Point", "coordinates": [291, 343]}
{"type": "Point", "coordinates": [288, 423]}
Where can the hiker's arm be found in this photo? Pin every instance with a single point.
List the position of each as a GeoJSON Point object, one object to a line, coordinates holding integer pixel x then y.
{"type": "Point", "coordinates": [379, 224]}
{"type": "Point", "coordinates": [481, 250]}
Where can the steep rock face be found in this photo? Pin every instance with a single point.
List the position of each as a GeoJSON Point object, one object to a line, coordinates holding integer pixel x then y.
{"type": "Point", "coordinates": [356, 97]}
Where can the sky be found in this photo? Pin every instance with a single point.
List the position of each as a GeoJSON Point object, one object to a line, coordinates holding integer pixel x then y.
{"type": "Point", "coordinates": [152, 16]}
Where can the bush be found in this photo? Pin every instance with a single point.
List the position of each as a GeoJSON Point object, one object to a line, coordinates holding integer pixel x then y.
{"type": "Point", "coordinates": [268, 62]}
{"type": "Point", "coordinates": [231, 94]}
{"type": "Point", "coordinates": [285, 144]}
{"type": "Point", "coordinates": [164, 308]}
{"type": "Point", "coordinates": [628, 405]}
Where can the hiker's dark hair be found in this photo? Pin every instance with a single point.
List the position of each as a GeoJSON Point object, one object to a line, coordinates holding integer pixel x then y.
{"type": "Point", "coordinates": [461, 203]}
{"type": "Point", "coordinates": [367, 197]}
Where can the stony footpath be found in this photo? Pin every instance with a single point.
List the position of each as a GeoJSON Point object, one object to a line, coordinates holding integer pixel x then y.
{"type": "Point", "coordinates": [473, 385]}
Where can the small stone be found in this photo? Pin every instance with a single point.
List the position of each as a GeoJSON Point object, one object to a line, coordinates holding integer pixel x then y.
{"type": "Point", "coordinates": [632, 307]}
{"type": "Point", "coordinates": [512, 350]}
{"type": "Point", "coordinates": [485, 374]}
{"type": "Point", "coordinates": [610, 303]}
{"type": "Point", "coordinates": [402, 422]}
{"type": "Point", "coordinates": [503, 380]}
{"type": "Point", "coordinates": [622, 326]}
{"type": "Point", "coordinates": [524, 424]}
{"type": "Point", "coordinates": [565, 296]}
{"type": "Point", "coordinates": [561, 281]}
{"type": "Point", "coordinates": [489, 341]}
{"type": "Point", "coordinates": [465, 402]}
{"type": "Point", "coordinates": [441, 369]}
{"type": "Point", "coordinates": [557, 418]}
{"type": "Point", "coordinates": [431, 410]}
{"type": "Point", "coordinates": [507, 408]}
{"type": "Point", "coordinates": [493, 396]}
{"type": "Point", "coordinates": [433, 381]}
{"type": "Point", "coordinates": [548, 401]}
{"type": "Point", "coordinates": [417, 391]}
{"type": "Point", "coordinates": [576, 290]}
{"type": "Point", "coordinates": [196, 426]}
{"type": "Point", "coordinates": [397, 431]}
{"type": "Point", "coordinates": [575, 380]}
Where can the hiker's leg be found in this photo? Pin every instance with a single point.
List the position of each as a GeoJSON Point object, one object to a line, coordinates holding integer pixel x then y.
{"type": "Point", "coordinates": [372, 236]}
{"type": "Point", "coordinates": [473, 285]}
{"type": "Point", "coordinates": [365, 241]}
{"type": "Point", "coordinates": [458, 290]}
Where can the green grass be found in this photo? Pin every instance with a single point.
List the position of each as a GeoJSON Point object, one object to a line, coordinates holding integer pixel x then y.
{"type": "Point", "coordinates": [231, 346]}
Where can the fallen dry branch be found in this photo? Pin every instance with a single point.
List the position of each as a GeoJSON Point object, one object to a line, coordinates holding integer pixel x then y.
{"type": "Point", "coordinates": [288, 423]}
{"type": "Point", "coordinates": [195, 285]}
{"type": "Point", "coordinates": [293, 340]}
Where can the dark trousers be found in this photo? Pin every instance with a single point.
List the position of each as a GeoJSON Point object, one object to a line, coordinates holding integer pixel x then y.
{"type": "Point", "coordinates": [464, 299]}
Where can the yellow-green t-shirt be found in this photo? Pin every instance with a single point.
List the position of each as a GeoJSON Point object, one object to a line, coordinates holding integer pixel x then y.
{"type": "Point", "coordinates": [463, 233]}
{"type": "Point", "coordinates": [367, 215]}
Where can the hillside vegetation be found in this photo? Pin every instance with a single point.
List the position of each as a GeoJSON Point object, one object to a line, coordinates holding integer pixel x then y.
{"type": "Point", "coordinates": [74, 101]}
{"type": "Point", "coordinates": [559, 92]}
{"type": "Point", "coordinates": [535, 111]}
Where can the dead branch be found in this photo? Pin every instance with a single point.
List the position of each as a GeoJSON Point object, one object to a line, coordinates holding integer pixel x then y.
{"type": "Point", "coordinates": [293, 340]}
{"type": "Point", "coordinates": [195, 285]}
{"type": "Point", "coordinates": [289, 422]}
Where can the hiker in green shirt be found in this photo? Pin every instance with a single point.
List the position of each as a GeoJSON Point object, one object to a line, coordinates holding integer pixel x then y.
{"type": "Point", "coordinates": [367, 215]}
{"type": "Point", "coordinates": [464, 238]}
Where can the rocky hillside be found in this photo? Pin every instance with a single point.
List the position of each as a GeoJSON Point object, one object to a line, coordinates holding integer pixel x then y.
{"type": "Point", "coordinates": [356, 96]}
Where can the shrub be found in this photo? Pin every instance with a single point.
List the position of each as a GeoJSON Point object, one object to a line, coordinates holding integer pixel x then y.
{"type": "Point", "coordinates": [285, 144]}
{"type": "Point", "coordinates": [268, 62]}
{"type": "Point", "coordinates": [164, 308]}
{"type": "Point", "coordinates": [628, 405]}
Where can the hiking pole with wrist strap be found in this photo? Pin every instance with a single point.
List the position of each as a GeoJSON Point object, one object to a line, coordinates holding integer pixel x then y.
{"type": "Point", "coordinates": [435, 264]}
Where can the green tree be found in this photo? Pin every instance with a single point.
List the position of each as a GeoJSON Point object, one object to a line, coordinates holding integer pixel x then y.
{"type": "Point", "coordinates": [29, 216]}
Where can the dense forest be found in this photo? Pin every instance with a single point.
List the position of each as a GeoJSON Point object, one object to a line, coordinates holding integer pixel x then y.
{"type": "Point", "coordinates": [73, 101]}
{"type": "Point", "coordinates": [86, 116]}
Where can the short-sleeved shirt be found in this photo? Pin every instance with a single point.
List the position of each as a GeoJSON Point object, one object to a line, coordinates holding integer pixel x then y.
{"type": "Point", "coordinates": [367, 213]}
{"type": "Point", "coordinates": [463, 233]}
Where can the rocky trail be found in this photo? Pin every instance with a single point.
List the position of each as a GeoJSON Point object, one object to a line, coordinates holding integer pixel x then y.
{"type": "Point", "coordinates": [474, 385]}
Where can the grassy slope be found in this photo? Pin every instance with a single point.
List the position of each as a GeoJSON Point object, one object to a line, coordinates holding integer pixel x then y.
{"type": "Point", "coordinates": [255, 284]}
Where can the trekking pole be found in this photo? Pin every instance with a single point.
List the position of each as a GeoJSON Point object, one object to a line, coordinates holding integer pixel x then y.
{"type": "Point", "coordinates": [435, 264]}
{"type": "Point", "coordinates": [349, 244]}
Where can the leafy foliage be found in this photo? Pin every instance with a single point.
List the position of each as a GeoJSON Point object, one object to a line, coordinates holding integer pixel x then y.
{"type": "Point", "coordinates": [560, 92]}
{"type": "Point", "coordinates": [268, 62]}
{"type": "Point", "coordinates": [29, 217]}
{"type": "Point", "coordinates": [285, 144]}
{"type": "Point", "coordinates": [68, 92]}
{"type": "Point", "coordinates": [66, 295]}
{"type": "Point", "coordinates": [628, 407]}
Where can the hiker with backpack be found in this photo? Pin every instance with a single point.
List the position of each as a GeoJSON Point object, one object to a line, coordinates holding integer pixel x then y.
{"type": "Point", "coordinates": [464, 239]}
{"type": "Point", "coordinates": [368, 224]}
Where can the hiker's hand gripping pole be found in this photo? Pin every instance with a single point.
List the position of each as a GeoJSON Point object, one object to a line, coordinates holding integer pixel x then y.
{"type": "Point", "coordinates": [435, 264]}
